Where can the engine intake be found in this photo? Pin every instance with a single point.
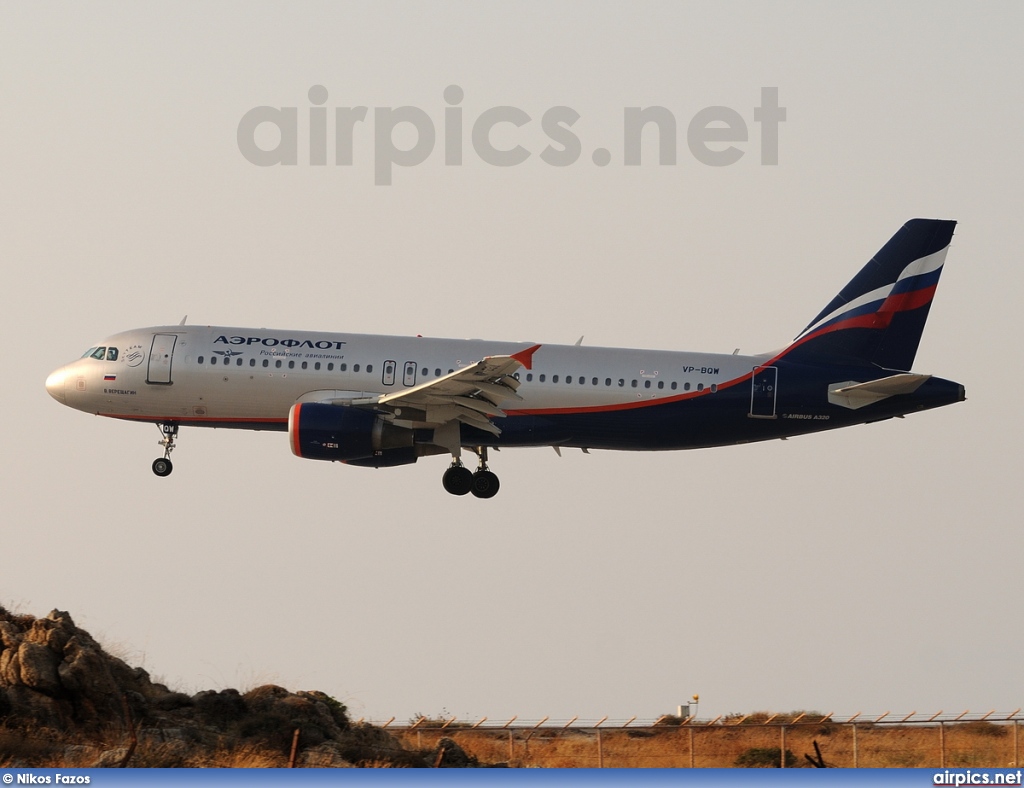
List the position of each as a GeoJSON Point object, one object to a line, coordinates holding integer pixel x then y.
{"type": "Point", "coordinates": [318, 431]}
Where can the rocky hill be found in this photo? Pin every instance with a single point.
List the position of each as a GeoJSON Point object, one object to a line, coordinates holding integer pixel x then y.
{"type": "Point", "coordinates": [64, 701]}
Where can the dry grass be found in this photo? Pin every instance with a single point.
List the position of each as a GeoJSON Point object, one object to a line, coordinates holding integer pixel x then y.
{"type": "Point", "coordinates": [966, 745]}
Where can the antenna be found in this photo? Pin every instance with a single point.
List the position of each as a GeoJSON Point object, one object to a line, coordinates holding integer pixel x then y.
{"type": "Point", "coordinates": [183, 320]}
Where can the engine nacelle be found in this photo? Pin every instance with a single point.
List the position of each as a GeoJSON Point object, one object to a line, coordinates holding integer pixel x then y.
{"type": "Point", "coordinates": [318, 431]}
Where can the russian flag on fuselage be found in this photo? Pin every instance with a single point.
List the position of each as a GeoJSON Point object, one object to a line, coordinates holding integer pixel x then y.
{"type": "Point", "coordinates": [878, 318]}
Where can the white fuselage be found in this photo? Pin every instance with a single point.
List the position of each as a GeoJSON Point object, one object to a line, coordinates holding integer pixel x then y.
{"type": "Point", "coordinates": [229, 376]}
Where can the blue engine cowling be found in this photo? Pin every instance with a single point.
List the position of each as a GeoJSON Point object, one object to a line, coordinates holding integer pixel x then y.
{"type": "Point", "coordinates": [318, 431]}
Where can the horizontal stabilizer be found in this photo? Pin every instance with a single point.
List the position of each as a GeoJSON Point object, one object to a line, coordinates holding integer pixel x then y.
{"type": "Point", "coordinates": [853, 395]}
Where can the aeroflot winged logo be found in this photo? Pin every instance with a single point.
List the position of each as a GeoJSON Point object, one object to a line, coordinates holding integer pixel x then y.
{"type": "Point", "coordinates": [322, 344]}
{"type": "Point", "coordinates": [133, 355]}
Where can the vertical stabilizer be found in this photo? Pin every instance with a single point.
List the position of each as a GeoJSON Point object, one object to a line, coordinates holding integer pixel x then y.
{"type": "Point", "coordinates": [878, 318]}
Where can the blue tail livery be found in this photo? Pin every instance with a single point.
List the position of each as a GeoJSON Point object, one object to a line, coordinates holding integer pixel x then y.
{"type": "Point", "coordinates": [380, 401]}
{"type": "Point", "coordinates": [878, 318]}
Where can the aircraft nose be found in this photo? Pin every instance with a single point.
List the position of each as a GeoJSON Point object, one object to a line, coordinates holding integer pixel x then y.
{"type": "Point", "coordinates": [55, 385]}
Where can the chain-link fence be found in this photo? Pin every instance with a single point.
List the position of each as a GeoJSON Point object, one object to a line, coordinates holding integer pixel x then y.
{"type": "Point", "coordinates": [990, 740]}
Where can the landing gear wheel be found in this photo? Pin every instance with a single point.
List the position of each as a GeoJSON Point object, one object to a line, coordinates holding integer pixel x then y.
{"type": "Point", "coordinates": [485, 484]}
{"type": "Point", "coordinates": [163, 466]}
{"type": "Point", "coordinates": [458, 480]}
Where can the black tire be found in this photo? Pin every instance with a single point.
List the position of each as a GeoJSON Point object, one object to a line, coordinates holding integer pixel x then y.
{"type": "Point", "coordinates": [457, 480]}
{"type": "Point", "coordinates": [485, 484]}
{"type": "Point", "coordinates": [162, 467]}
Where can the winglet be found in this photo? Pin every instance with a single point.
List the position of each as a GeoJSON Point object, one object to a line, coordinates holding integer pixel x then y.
{"type": "Point", "coordinates": [525, 357]}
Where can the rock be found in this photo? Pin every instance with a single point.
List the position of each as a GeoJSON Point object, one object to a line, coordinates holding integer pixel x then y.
{"type": "Point", "coordinates": [110, 758]}
{"type": "Point", "coordinates": [323, 756]}
{"type": "Point", "coordinates": [55, 678]}
{"type": "Point", "coordinates": [77, 755]}
{"type": "Point", "coordinates": [38, 668]}
{"type": "Point", "coordinates": [449, 755]}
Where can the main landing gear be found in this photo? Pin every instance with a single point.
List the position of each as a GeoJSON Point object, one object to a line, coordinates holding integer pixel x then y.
{"type": "Point", "coordinates": [458, 480]}
{"type": "Point", "coordinates": [163, 466]}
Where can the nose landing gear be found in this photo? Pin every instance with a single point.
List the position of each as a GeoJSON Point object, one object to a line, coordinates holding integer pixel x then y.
{"type": "Point", "coordinates": [163, 465]}
{"type": "Point", "coordinates": [458, 480]}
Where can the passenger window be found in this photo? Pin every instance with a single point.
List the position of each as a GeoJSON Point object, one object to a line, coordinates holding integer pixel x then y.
{"type": "Point", "coordinates": [316, 366]}
{"type": "Point", "coordinates": [594, 382]}
{"type": "Point", "coordinates": [554, 378]}
{"type": "Point", "coordinates": [607, 381]}
{"type": "Point", "coordinates": [647, 384]}
{"type": "Point", "coordinates": [686, 386]}
{"type": "Point", "coordinates": [291, 365]}
{"type": "Point", "coordinates": [238, 363]}
{"type": "Point", "coordinates": [424, 372]}
{"type": "Point", "coordinates": [278, 363]}
{"type": "Point", "coordinates": [213, 360]}
{"type": "Point", "coordinates": [266, 362]}
{"type": "Point", "coordinates": [529, 377]}
{"type": "Point", "coordinates": [369, 367]}
{"type": "Point", "coordinates": [661, 384]}
{"type": "Point", "coordinates": [633, 383]}
{"type": "Point", "coordinates": [341, 367]}
{"type": "Point", "coordinates": [542, 376]}
{"type": "Point", "coordinates": [714, 388]}
{"type": "Point", "coordinates": [111, 354]}
{"type": "Point", "coordinates": [621, 382]}
{"type": "Point", "coordinates": [355, 367]}
{"type": "Point", "coordinates": [700, 387]}
{"type": "Point", "coordinates": [437, 373]}
{"type": "Point", "coordinates": [330, 366]}
{"type": "Point", "coordinates": [100, 353]}
{"type": "Point", "coordinates": [305, 365]}
{"type": "Point", "coordinates": [200, 359]}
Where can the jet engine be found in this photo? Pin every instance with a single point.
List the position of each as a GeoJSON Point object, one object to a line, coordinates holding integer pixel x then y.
{"type": "Point", "coordinates": [320, 431]}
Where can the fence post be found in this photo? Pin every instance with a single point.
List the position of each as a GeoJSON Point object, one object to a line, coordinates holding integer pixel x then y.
{"type": "Point", "coordinates": [1016, 749]}
{"type": "Point", "coordinates": [856, 760]}
{"type": "Point", "coordinates": [942, 745]}
{"type": "Point", "coordinates": [295, 748]}
{"type": "Point", "coordinates": [782, 746]}
{"type": "Point", "coordinates": [600, 750]}
{"type": "Point", "coordinates": [691, 747]}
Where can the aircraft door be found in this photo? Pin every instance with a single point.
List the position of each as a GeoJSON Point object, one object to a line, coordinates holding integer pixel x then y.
{"type": "Point", "coordinates": [409, 375]}
{"type": "Point", "coordinates": [764, 386]}
{"type": "Point", "coordinates": [161, 356]}
{"type": "Point", "coordinates": [388, 378]}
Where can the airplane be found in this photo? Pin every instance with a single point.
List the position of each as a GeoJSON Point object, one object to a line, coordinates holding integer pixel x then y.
{"type": "Point", "coordinates": [383, 401]}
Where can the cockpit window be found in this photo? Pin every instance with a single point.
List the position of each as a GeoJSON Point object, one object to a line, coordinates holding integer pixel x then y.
{"type": "Point", "coordinates": [111, 354]}
{"type": "Point", "coordinates": [98, 352]}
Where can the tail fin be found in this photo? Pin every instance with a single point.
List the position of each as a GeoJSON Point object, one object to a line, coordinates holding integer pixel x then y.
{"type": "Point", "coordinates": [879, 316]}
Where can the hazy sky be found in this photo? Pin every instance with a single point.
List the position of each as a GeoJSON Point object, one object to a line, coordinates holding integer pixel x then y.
{"type": "Point", "coordinates": [866, 569]}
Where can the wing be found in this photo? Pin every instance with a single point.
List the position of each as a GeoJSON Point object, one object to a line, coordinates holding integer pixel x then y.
{"type": "Point", "coordinates": [470, 395]}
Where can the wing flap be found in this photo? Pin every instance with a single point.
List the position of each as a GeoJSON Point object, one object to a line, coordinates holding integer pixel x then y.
{"type": "Point", "coordinates": [471, 395]}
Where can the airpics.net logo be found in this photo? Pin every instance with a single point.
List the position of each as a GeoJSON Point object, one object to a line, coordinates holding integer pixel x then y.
{"type": "Point", "coordinates": [716, 136]}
